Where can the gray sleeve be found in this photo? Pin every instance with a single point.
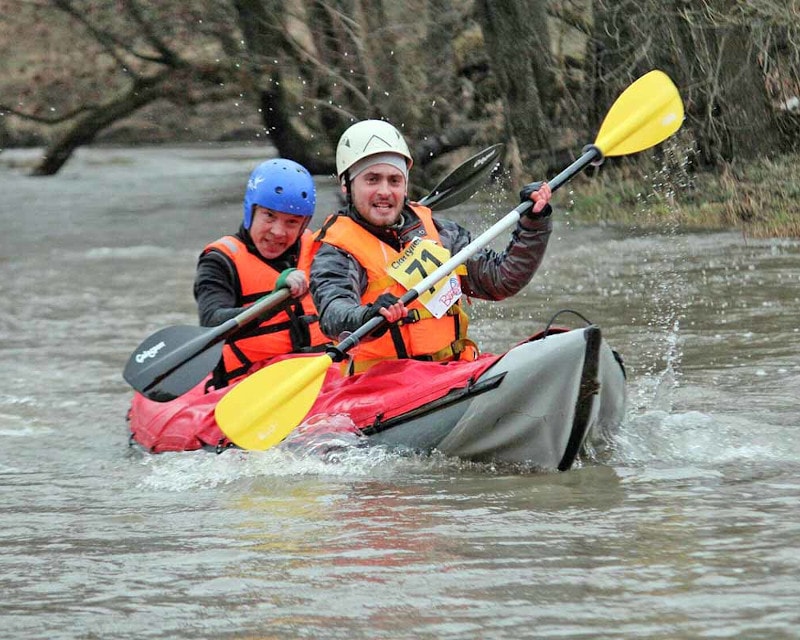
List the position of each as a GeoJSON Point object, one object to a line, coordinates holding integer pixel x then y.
{"type": "Point", "coordinates": [493, 275]}
{"type": "Point", "coordinates": [336, 283]}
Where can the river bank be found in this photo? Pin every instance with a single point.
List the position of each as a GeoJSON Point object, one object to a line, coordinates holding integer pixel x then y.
{"type": "Point", "coordinates": [761, 198]}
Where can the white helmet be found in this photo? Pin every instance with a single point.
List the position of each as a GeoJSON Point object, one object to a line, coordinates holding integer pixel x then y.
{"type": "Point", "coordinates": [367, 138]}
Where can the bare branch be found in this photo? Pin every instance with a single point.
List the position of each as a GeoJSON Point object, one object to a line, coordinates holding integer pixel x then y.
{"type": "Point", "coordinates": [48, 120]}
{"type": "Point", "coordinates": [307, 56]}
{"type": "Point", "coordinates": [168, 56]}
{"type": "Point", "coordinates": [111, 45]}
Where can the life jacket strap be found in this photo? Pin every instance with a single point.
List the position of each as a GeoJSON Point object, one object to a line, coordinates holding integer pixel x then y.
{"type": "Point", "coordinates": [454, 351]}
{"type": "Point", "coordinates": [415, 315]}
{"type": "Point", "coordinates": [461, 349]}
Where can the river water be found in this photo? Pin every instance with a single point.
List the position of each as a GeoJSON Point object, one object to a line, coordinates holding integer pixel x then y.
{"type": "Point", "coordinates": [688, 528]}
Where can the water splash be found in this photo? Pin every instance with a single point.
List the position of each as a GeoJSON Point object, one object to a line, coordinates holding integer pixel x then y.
{"type": "Point", "coordinates": [666, 282]}
{"type": "Point", "coordinates": [334, 455]}
{"type": "Point", "coordinates": [698, 438]}
{"type": "Point", "coordinates": [318, 450]}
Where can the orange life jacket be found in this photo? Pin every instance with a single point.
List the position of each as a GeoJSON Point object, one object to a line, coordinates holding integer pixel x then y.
{"type": "Point", "coordinates": [420, 335]}
{"type": "Point", "coordinates": [293, 330]}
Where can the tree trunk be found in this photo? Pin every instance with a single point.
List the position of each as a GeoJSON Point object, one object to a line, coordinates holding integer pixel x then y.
{"type": "Point", "coordinates": [518, 44]}
{"type": "Point", "coordinates": [383, 59]}
{"type": "Point", "coordinates": [737, 120]}
{"type": "Point", "coordinates": [714, 60]}
{"type": "Point", "coordinates": [332, 40]}
{"type": "Point", "coordinates": [263, 33]}
{"type": "Point", "coordinates": [93, 121]}
{"type": "Point", "coordinates": [442, 83]}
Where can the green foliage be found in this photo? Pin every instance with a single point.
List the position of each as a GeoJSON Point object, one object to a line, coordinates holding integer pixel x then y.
{"type": "Point", "coordinates": [761, 198]}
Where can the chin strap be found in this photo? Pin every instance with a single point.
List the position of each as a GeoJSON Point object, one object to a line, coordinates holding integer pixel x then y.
{"type": "Point", "coordinates": [348, 196]}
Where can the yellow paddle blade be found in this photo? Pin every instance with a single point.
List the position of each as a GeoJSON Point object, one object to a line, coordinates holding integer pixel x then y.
{"type": "Point", "coordinates": [264, 408]}
{"type": "Point", "coordinates": [648, 111]}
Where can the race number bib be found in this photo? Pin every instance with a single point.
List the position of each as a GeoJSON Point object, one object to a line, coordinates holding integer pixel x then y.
{"type": "Point", "coordinates": [417, 262]}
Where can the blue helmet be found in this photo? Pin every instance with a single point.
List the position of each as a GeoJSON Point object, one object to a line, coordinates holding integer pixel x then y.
{"type": "Point", "coordinates": [280, 185]}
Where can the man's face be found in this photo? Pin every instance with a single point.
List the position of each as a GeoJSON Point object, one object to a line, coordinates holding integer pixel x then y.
{"type": "Point", "coordinates": [274, 232]}
{"type": "Point", "coordinates": [379, 193]}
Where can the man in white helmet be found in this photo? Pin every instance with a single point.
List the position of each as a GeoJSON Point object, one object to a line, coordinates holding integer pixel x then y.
{"type": "Point", "coordinates": [381, 245]}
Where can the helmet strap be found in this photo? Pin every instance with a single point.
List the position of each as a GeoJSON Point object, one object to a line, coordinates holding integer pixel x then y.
{"type": "Point", "coordinates": [252, 214]}
{"type": "Point", "coordinates": [348, 189]}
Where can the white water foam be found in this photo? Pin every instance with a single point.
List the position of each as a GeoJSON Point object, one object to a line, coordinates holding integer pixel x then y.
{"type": "Point", "coordinates": [700, 438]}
{"type": "Point", "coordinates": [184, 471]}
{"type": "Point", "coordinates": [130, 253]}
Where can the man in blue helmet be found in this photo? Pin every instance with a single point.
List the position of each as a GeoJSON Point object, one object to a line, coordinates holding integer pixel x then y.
{"type": "Point", "coordinates": [271, 249]}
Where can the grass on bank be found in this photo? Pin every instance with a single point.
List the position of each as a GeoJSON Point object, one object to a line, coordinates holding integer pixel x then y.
{"type": "Point", "coordinates": [761, 198]}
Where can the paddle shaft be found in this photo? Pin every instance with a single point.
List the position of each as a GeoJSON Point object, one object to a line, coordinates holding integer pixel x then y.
{"type": "Point", "coordinates": [255, 310]}
{"type": "Point", "coordinates": [161, 367]}
{"type": "Point", "coordinates": [590, 154]}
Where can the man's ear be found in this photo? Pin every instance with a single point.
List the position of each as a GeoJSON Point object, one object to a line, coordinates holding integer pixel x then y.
{"type": "Point", "coordinates": [345, 181]}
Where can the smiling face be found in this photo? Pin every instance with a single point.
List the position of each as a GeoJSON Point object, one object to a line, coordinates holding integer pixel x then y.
{"type": "Point", "coordinates": [274, 232]}
{"type": "Point", "coordinates": [378, 194]}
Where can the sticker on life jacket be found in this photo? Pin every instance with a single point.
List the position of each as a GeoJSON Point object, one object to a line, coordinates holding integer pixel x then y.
{"type": "Point", "coordinates": [418, 260]}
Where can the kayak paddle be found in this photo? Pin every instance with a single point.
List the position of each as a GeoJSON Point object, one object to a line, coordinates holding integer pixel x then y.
{"type": "Point", "coordinates": [265, 407]}
{"type": "Point", "coordinates": [464, 180]}
{"type": "Point", "coordinates": [173, 360]}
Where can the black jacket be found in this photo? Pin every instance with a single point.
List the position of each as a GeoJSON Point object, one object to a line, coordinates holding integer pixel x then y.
{"type": "Point", "coordinates": [216, 283]}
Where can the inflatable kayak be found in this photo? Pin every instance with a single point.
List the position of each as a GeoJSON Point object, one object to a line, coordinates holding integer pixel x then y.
{"type": "Point", "coordinates": [537, 405]}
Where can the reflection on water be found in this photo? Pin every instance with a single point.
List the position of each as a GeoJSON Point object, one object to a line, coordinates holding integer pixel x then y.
{"type": "Point", "coordinates": [685, 528]}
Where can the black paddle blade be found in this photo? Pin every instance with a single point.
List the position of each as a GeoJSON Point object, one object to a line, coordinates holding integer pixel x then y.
{"type": "Point", "coordinates": [465, 180]}
{"type": "Point", "coordinates": [172, 361]}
